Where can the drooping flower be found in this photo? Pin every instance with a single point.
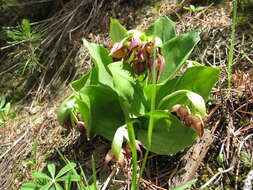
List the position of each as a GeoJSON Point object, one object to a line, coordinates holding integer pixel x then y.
{"type": "Point", "coordinates": [119, 50]}
{"type": "Point", "coordinates": [143, 56]}
{"type": "Point", "coordinates": [193, 121]}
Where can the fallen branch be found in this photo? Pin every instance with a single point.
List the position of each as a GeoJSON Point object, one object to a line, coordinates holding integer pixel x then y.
{"type": "Point", "coordinates": [215, 176]}
{"type": "Point", "coordinates": [14, 144]}
{"type": "Point", "coordinates": [192, 160]}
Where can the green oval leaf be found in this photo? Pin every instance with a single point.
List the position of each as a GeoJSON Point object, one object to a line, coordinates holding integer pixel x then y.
{"type": "Point", "coordinates": [101, 58]}
{"type": "Point", "coordinates": [163, 29]}
{"type": "Point", "coordinates": [169, 134]}
{"type": "Point", "coordinates": [176, 51]}
{"type": "Point", "coordinates": [130, 92]}
{"type": "Point", "coordinates": [198, 79]}
{"type": "Point", "coordinates": [104, 108]}
{"type": "Point", "coordinates": [176, 98]}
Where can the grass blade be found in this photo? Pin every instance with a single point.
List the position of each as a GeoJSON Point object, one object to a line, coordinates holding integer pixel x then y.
{"type": "Point", "coordinates": [232, 40]}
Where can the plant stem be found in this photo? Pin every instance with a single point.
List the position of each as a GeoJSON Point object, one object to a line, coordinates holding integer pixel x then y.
{"type": "Point", "coordinates": [131, 134]}
{"type": "Point", "coordinates": [144, 161]}
{"type": "Point", "coordinates": [152, 108]}
{"type": "Point", "coordinates": [231, 49]}
{"type": "Point", "coordinates": [94, 174]}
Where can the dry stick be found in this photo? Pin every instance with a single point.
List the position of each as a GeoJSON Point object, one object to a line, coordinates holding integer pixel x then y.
{"type": "Point", "coordinates": [109, 179]}
{"type": "Point", "coordinates": [68, 18]}
{"type": "Point", "coordinates": [151, 185]}
{"type": "Point", "coordinates": [14, 44]}
{"type": "Point", "coordinates": [215, 176]}
{"type": "Point", "coordinates": [58, 72]}
{"type": "Point", "coordinates": [237, 174]}
{"type": "Point", "coordinates": [14, 144]}
{"type": "Point", "coordinates": [193, 159]}
{"type": "Point", "coordinates": [87, 20]}
{"type": "Point", "coordinates": [52, 55]}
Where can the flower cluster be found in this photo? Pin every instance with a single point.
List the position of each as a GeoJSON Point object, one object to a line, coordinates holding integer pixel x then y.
{"type": "Point", "coordinates": [143, 56]}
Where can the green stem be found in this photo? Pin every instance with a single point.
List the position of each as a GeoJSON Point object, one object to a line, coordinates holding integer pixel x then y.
{"type": "Point", "coordinates": [144, 161]}
{"type": "Point", "coordinates": [131, 135]}
{"type": "Point", "coordinates": [152, 109]}
{"type": "Point", "coordinates": [231, 49]}
{"type": "Point", "coordinates": [94, 173]}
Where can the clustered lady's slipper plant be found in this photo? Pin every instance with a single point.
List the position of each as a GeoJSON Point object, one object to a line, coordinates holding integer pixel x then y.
{"type": "Point", "coordinates": [136, 92]}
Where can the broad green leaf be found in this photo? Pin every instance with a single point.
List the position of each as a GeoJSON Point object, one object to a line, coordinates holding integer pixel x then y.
{"type": "Point", "coordinates": [80, 83]}
{"type": "Point", "coordinates": [117, 31]}
{"type": "Point", "coordinates": [28, 186]}
{"type": "Point", "coordinates": [162, 89]}
{"type": "Point", "coordinates": [65, 169]}
{"type": "Point", "coordinates": [176, 51]}
{"type": "Point", "coordinates": [68, 105]}
{"type": "Point", "coordinates": [185, 185]}
{"type": "Point", "coordinates": [51, 169]}
{"type": "Point", "coordinates": [198, 79]}
{"type": "Point", "coordinates": [118, 140]}
{"type": "Point", "coordinates": [166, 134]}
{"type": "Point", "coordinates": [178, 97]}
{"type": "Point", "coordinates": [101, 58]}
{"type": "Point", "coordinates": [130, 92]}
{"type": "Point", "coordinates": [163, 29]}
{"type": "Point", "coordinates": [105, 111]}
{"type": "Point", "coordinates": [40, 175]}
{"type": "Point", "coordinates": [165, 88]}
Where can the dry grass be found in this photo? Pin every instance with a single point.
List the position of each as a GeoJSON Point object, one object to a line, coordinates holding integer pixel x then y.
{"type": "Point", "coordinates": [31, 140]}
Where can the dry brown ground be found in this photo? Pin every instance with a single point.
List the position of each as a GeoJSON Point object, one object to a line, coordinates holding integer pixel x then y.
{"type": "Point", "coordinates": [29, 142]}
